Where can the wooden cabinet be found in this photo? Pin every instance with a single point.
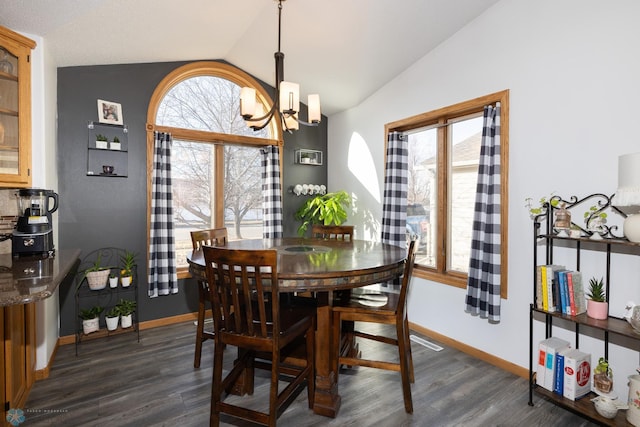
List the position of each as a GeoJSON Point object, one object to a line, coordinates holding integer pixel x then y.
{"type": "Point", "coordinates": [15, 109]}
{"type": "Point", "coordinates": [17, 326]}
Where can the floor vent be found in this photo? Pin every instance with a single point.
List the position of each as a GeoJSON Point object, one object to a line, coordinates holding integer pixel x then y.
{"type": "Point", "coordinates": [425, 343]}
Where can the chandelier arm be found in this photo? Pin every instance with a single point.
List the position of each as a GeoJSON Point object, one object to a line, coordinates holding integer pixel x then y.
{"type": "Point", "coordinates": [302, 122]}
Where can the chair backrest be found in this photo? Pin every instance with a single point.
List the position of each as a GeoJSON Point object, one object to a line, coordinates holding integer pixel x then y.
{"type": "Point", "coordinates": [338, 232]}
{"type": "Point", "coordinates": [406, 277]}
{"type": "Point", "coordinates": [246, 290]}
{"type": "Point", "coordinates": [211, 237]}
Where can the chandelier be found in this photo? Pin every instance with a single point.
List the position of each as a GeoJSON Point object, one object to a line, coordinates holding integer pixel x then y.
{"type": "Point", "coordinates": [287, 98]}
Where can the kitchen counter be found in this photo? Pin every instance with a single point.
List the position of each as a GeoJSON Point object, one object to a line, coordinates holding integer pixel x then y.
{"type": "Point", "coordinates": [33, 278]}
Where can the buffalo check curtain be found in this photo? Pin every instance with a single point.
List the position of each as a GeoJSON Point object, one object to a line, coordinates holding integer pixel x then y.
{"type": "Point", "coordinates": [163, 277]}
{"type": "Point", "coordinates": [271, 193]}
{"type": "Point", "coordinates": [394, 210]}
{"type": "Point", "coordinates": [483, 282]}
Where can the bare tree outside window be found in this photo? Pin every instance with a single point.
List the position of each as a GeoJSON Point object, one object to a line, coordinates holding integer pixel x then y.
{"type": "Point", "coordinates": [208, 103]}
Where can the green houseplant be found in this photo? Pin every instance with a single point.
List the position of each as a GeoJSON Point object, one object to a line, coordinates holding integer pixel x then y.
{"type": "Point", "coordinates": [101, 141]}
{"type": "Point", "coordinates": [327, 209]}
{"type": "Point", "coordinates": [115, 144]}
{"type": "Point", "coordinates": [597, 306]}
{"type": "Point", "coordinates": [97, 275]}
{"type": "Point", "coordinates": [112, 317]}
{"type": "Point", "coordinates": [603, 376]}
{"type": "Point", "coordinates": [128, 260]}
{"type": "Point", "coordinates": [91, 319]}
{"type": "Point", "coordinates": [126, 308]}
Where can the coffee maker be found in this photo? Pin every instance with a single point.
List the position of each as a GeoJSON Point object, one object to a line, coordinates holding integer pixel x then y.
{"type": "Point", "coordinates": [34, 233]}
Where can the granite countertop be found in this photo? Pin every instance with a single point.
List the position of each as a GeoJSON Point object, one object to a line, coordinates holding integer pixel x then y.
{"type": "Point", "coordinates": [33, 278]}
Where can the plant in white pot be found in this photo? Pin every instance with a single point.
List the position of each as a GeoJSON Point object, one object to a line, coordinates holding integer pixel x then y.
{"type": "Point", "coordinates": [128, 260]}
{"type": "Point", "coordinates": [97, 275]}
{"type": "Point", "coordinates": [101, 141]}
{"type": "Point", "coordinates": [126, 307]}
{"type": "Point", "coordinates": [115, 145]}
{"type": "Point", "coordinates": [113, 280]}
{"type": "Point", "coordinates": [597, 305]}
{"type": "Point", "coordinates": [91, 319]}
{"type": "Point", "coordinates": [112, 317]}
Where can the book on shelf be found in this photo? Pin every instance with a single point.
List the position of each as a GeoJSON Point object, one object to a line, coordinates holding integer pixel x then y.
{"type": "Point", "coordinates": [545, 291]}
{"type": "Point", "coordinates": [558, 385]}
{"type": "Point", "coordinates": [577, 374]}
{"type": "Point", "coordinates": [572, 295]}
{"type": "Point", "coordinates": [539, 292]}
{"type": "Point", "coordinates": [578, 290]}
{"type": "Point", "coordinates": [547, 350]}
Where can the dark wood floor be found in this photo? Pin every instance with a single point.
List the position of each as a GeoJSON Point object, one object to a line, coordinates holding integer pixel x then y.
{"type": "Point", "coordinates": [120, 382]}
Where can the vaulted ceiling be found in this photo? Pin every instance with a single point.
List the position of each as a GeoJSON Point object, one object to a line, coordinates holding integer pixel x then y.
{"type": "Point", "coordinates": [342, 49]}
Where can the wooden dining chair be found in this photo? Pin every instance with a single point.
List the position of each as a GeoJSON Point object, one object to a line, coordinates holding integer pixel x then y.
{"type": "Point", "coordinates": [200, 238]}
{"type": "Point", "coordinates": [250, 317]}
{"type": "Point", "coordinates": [363, 308]}
{"type": "Point", "coordinates": [339, 232]}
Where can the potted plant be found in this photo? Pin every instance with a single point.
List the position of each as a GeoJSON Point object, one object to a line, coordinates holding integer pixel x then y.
{"type": "Point", "coordinates": [97, 275]}
{"type": "Point", "coordinates": [126, 308]}
{"type": "Point", "coordinates": [327, 209]}
{"type": "Point", "coordinates": [603, 376]}
{"type": "Point", "coordinates": [91, 319]}
{"type": "Point", "coordinates": [128, 260]}
{"type": "Point", "coordinates": [113, 280]}
{"type": "Point", "coordinates": [597, 306]}
{"type": "Point", "coordinates": [112, 317]}
{"type": "Point", "coordinates": [101, 141]}
{"type": "Point", "coordinates": [595, 220]}
{"type": "Point", "coordinates": [540, 208]}
{"type": "Point", "coordinates": [115, 144]}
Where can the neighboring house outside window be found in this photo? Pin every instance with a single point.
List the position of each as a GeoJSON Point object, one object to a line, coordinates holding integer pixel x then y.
{"type": "Point", "coordinates": [444, 152]}
{"type": "Point", "coordinates": [215, 163]}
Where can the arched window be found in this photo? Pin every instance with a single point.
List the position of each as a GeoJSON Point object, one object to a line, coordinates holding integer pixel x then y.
{"type": "Point", "coordinates": [215, 160]}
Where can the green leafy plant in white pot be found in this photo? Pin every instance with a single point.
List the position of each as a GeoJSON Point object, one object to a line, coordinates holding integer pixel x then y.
{"type": "Point", "coordinates": [128, 260]}
{"type": "Point", "coordinates": [597, 305]}
{"type": "Point", "coordinates": [126, 307]}
{"type": "Point", "coordinates": [327, 209]}
{"type": "Point", "coordinates": [91, 319]}
{"type": "Point", "coordinates": [97, 275]}
{"type": "Point", "coordinates": [112, 317]}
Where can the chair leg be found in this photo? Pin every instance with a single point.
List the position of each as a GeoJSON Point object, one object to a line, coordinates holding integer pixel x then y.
{"type": "Point", "coordinates": [216, 392]}
{"type": "Point", "coordinates": [200, 327]}
{"type": "Point", "coordinates": [273, 392]}
{"type": "Point", "coordinates": [409, 354]}
{"type": "Point", "coordinates": [404, 367]}
{"type": "Point", "coordinates": [311, 379]}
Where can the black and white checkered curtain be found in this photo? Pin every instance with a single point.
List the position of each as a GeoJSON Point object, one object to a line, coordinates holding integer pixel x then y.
{"type": "Point", "coordinates": [163, 277]}
{"type": "Point", "coordinates": [483, 283]}
{"type": "Point", "coordinates": [271, 193]}
{"type": "Point", "coordinates": [394, 210]}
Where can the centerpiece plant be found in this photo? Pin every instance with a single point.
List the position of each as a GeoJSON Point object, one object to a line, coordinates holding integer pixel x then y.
{"type": "Point", "coordinates": [327, 209]}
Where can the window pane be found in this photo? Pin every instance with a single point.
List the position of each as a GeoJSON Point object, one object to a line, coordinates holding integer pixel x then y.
{"type": "Point", "coordinates": [193, 185]}
{"type": "Point", "coordinates": [464, 142]}
{"type": "Point", "coordinates": [422, 194]}
{"type": "Point", "coordinates": [242, 192]}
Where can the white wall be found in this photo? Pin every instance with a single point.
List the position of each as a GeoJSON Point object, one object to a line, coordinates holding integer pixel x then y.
{"type": "Point", "coordinates": [574, 78]}
{"type": "Point", "coordinates": [44, 170]}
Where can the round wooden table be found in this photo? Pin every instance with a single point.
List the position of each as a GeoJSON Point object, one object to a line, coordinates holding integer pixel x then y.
{"type": "Point", "coordinates": [323, 266]}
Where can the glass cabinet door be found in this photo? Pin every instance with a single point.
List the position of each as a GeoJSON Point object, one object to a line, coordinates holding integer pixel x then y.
{"type": "Point", "coordinates": [15, 109]}
{"type": "Point", "coordinates": [9, 129]}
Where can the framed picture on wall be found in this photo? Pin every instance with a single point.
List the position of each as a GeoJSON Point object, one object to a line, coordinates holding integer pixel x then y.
{"type": "Point", "coordinates": [109, 112]}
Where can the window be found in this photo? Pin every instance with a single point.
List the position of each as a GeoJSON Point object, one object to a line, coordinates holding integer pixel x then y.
{"type": "Point", "coordinates": [444, 152]}
{"type": "Point", "coordinates": [215, 161]}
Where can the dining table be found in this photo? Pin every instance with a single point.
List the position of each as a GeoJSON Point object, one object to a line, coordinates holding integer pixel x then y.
{"type": "Point", "coordinates": [322, 267]}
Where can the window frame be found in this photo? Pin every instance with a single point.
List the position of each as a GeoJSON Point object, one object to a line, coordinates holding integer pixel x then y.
{"type": "Point", "coordinates": [439, 118]}
{"type": "Point", "coordinates": [213, 69]}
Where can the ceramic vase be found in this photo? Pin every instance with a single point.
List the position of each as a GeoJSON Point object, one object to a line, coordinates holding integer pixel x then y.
{"type": "Point", "coordinates": [112, 323]}
{"type": "Point", "coordinates": [90, 325]}
{"type": "Point", "coordinates": [127, 321]}
{"type": "Point", "coordinates": [633, 413]}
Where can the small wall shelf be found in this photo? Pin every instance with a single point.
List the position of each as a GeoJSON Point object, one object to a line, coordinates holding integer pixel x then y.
{"type": "Point", "coordinates": [107, 158]}
{"type": "Point", "coordinates": [308, 157]}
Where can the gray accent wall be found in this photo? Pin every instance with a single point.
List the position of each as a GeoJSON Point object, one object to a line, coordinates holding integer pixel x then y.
{"type": "Point", "coordinates": [97, 211]}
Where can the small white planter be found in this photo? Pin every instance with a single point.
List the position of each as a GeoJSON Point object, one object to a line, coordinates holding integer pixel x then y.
{"type": "Point", "coordinates": [126, 281]}
{"type": "Point", "coordinates": [90, 325]}
{"type": "Point", "coordinates": [113, 282]}
{"type": "Point", "coordinates": [102, 145]}
{"type": "Point", "coordinates": [115, 145]}
{"type": "Point", "coordinates": [126, 321]}
{"type": "Point", "coordinates": [112, 323]}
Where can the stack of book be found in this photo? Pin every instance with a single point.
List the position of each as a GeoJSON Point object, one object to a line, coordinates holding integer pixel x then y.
{"type": "Point", "coordinates": [559, 289]}
{"type": "Point", "coordinates": [562, 369]}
